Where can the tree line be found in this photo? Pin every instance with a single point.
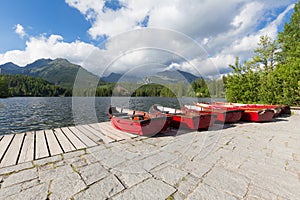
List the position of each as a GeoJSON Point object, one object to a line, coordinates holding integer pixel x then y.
{"type": "Point", "coordinates": [21, 85]}
{"type": "Point", "coordinates": [272, 75]}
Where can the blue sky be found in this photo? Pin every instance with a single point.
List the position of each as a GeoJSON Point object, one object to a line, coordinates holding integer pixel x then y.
{"type": "Point", "coordinates": [39, 17]}
{"type": "Point", "coordinates": [72, 29]}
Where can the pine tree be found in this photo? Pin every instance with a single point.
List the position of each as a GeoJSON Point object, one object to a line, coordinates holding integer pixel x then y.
{"type": "Point", "coordinates": [3, 87]}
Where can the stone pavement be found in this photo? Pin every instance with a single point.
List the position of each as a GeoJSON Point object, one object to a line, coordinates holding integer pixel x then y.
{"type": "Point", "coordinates": [241, 161]}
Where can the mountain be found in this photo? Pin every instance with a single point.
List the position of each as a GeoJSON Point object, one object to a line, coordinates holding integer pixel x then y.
{"type": "Point", "coordinates": [116, 77]}
{"type": "Point", "coordinates": [59, 71]}
{"type": "Point", "coordinates": [10, 68]}
{"type": "Point", "coordinates": [172, 76]}
{"type": "Point", "coordinates": [112, 78]}
{"type": "Point", "coordinates": [165, 77]}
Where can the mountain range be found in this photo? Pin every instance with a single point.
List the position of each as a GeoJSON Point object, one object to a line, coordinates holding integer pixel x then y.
{"type": "Point", "coordinates": [164, 77]}
{"type": "Point", "coordinates": [59, 71]}
{"type": "Point", "coordinates": [63, 73]}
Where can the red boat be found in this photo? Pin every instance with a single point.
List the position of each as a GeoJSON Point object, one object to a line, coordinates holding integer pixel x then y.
{"type": "Point", "coordinates": [252, 112]}
{"type": "Point", "coordinates": [224, 114]}
{"type": "Point", "coordinates": [138, 122]}
{"type": "Point", "coordinates": [258, 115]}
{"type": "Point", "coordinates": [278, 109]}
{"type": "Point", "coordinates": [184, 119]}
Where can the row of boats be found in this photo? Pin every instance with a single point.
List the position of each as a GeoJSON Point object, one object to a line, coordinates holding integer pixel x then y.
{"type": "Point", "coordinates": [198, 116]}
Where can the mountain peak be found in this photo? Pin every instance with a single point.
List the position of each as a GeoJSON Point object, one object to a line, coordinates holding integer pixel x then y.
{"type": "Point", "coordinates": [112, 77]}
{"type": "Point", "coordinates": [60, 60]}
{"type": "Point", "coordinates": [38, 63]}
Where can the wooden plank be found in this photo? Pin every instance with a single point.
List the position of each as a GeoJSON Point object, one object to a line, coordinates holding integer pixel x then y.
{"type": "Point", "coordinates": [64, 141]}
{"type": "Point", "coordinates": [101, 127]}
{"type": "Point", "coordinates": [53, 144]}
{"type": "Point", "coordinates": [12, 153]}
{"type": "Point", "coordinates": [85, 139]}
{"type": "Point", "coordinates": [72, 137]}
{"type": "Point", "coordinates": [1, 137]}
{"type": "Point", "coordinates": [105, 138]}
{"type": "Point", "coordinates": [27, 150]}
{"type": "Point", "coordinates": [41, 149]}
{"type": "Point", "coordinates": [93, 137]}
{"type": "Point", "coordinates": [4, 143]}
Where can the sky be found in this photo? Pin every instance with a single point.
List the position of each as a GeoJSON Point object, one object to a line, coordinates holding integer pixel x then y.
{"type": "Point", "coordinates": [198, 36]}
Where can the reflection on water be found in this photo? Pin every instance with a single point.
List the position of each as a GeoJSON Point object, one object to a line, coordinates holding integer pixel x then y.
{"type": "Point", "coordinates": [36, 113]}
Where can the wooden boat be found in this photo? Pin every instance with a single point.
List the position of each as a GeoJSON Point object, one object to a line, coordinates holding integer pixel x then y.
{"type": "Point", "coordinates": [224, 114]}
{"type": "Point", "coordinates": [278, 109]}
{"type": "Point", "coordinates": [188, 120]}
{"type": "Point", "coordinates": [258, 115]}
{"type": "Point", "coordinates": [138, 122]}
{"type": "Point", "coordinates": [251, 113]}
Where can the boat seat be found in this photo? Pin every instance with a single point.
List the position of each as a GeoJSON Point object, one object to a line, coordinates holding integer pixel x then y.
{"type": "Point", "coordinates": [120, 114]}
{"type": "Point", "coordinates": [138, 117]}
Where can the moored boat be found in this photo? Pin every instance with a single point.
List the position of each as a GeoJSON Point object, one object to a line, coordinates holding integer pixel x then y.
{"type": "Point", "coordinates": [138, 122]}
{"type": "Point", "coordinates": [224, 114]}
{"type": "Point", "coordinates": [187, 120]}
{"type": "Point", "coordinates": [258, 115]}
{"type": "Point", "coordinates": [278, 109]}
{"type": "Point", "coordinates": [252, 112]}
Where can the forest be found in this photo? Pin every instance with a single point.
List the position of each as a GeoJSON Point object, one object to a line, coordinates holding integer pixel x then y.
{"type": "Point", "coordinates": [21, 85]}
{"type": "Point", "coordinates": [272, 75]}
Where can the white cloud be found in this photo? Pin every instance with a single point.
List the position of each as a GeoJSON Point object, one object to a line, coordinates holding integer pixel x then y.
{"type": "Point", "coordinates": [48, 47]}
{"type": "Point", "coordinates": [19, 29]}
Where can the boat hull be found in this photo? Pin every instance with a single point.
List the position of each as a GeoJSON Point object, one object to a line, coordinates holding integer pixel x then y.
{"type": "Point", "coordinates": [192, 123]}
{"type": "Point", "coordinates": [223, 114]}
{"type": "Point", "coordinates": [143, 128]}
{"type": "Point", "coordinates": [278, 109]}
{"type": "Point", "coordinates": [186, 120]}
{"type": "Point", "coordinates": [258, 115]}
{"type": "Point", "coordinates": [229, 116]}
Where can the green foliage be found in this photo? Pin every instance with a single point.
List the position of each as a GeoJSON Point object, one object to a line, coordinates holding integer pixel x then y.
{"type": "Point", "coordinates": [153, 90]}
{"type": "Point", "coordinates": [3, 87]}
{"type": "Point", "coordinates": [289, 66]}
{"type": "Point", "coordinates": [242, 85]}
{"type": "Point", "coordinates": [20, 85]}
{"type": "Point", "coordinates": [265, 55]}
{"type": "Point", "coordinates": [105, 90]}
{"type": "Point", "coordinates": [200, 88]}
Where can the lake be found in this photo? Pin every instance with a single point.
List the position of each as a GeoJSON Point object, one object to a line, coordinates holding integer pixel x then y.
{"type": "Point", "coordinates": [20, 114]}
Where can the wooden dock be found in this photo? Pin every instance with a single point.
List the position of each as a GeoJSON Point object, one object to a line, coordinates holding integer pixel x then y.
{"type": "Point", "coordinates": [29, 146]}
